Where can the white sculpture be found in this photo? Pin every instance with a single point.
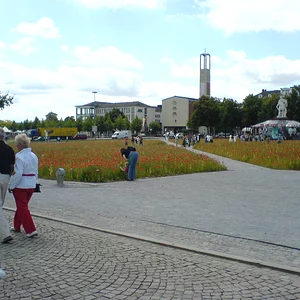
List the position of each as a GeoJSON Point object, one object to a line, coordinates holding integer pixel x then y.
{"type": "Point", "coordinates": [282, 107]}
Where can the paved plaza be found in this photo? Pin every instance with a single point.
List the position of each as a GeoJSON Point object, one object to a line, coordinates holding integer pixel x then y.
{"type": "Point", "coordinates": [224, 235]}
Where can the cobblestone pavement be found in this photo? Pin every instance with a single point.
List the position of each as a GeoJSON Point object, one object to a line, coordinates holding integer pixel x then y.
{"type": "Point", "coordinates": [246, 214]}
{"type": "Point", "coordinates": [70, 262]}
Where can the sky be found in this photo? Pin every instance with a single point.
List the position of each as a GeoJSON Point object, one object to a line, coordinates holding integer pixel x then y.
{"type": "Point", "coordinates": [55, 54]}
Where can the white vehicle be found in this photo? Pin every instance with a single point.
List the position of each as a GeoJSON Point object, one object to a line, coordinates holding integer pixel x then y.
{"type": "Point", "coordinates": [179, 135]}
{"type": "Point", "coordinates": [170, 134]}
{"type": "Point", "coordinates": [121, 134]}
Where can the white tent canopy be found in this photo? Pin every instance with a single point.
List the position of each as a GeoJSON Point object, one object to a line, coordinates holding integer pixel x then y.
{"type": "Point", "coordinates": [277, 123]}
{"type": "Point", "coordinates": [6, 130]}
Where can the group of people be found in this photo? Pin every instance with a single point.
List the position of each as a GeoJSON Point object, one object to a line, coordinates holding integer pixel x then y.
{"type": "Point", "coordinates": [18, 175]}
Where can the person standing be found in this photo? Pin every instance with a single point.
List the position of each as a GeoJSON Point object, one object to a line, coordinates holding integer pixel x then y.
{"type": "Point", "coordinates": [7, 161]}
{"type": "Point", "coordinates": [176, 140]}
{"type": "Point", "coordinates": [22, 185]}
{"type": "Point", "coordinates": [132, 156]}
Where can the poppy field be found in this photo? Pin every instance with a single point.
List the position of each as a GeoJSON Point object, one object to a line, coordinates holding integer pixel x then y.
{"type": "Point", "coordinates": [100, 160]}
{"type": "Point", "coordinates": [283, 156]}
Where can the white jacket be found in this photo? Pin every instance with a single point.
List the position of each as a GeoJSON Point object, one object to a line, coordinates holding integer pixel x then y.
{"type": "Point", "coordinates": [26, 164]}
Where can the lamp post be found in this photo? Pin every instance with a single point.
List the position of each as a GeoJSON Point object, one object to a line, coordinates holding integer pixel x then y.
{"type": "Point", "coordinates": [94, 92]}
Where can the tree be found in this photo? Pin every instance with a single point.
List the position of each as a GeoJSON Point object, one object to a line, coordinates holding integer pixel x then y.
{"type": "Point", "coordinates": [230, 115]}
{"type": "Point", "coordinates": [36, 123]}
{"type": "Point", "coordinates": [79, 124]}
{"type": "Point", "coordinates": [109, 124]}
{"type": "Point", "coordinates": [251, 108]}
{"type": "Point", "coordinates": [100, 123]}
{"type": "Point", "coordinates": [69, 122]}
{"type": "Point", "coordinates": [114, 113]}
{"type": "Point", "coordinates": [206, 112]}
{"type": "Point", "coordinates": [87, 124]}
{"type": "Point", "coordinates": [136, 125]}
{"type": "Point", "coordinates": [268, 108]}
{"type": "Point", "coordinates": [120, 123]}
{"type": "Point", "coordinates": [51, 120]}
{"type": "Point", "coordinates": [155, 127]}
{"type": "Point", "coordinates": [293, 109]}
{"type": "Point", "coordinates": [127, 123]}
{"type": "Point", "coordinates": [5, 100]}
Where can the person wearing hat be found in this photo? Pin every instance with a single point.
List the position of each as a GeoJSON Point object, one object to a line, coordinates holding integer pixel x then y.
{"type": "Point", "coordinates": [7, 161]}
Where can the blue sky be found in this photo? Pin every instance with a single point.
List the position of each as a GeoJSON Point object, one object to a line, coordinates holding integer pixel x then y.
{"type": "Point", "coordinates": [53, 54]}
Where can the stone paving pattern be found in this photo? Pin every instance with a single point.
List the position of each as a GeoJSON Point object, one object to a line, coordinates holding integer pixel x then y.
{"type": "Point", "coordinates": [69, 262]}
{"type": "Point", "coordinates": [247, 212]}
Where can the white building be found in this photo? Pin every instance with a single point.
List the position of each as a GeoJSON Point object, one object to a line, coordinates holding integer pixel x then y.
{"type": "Point", "coordinates": [176, 112]}
{"type": "Point", "coordinates": [130, 109]}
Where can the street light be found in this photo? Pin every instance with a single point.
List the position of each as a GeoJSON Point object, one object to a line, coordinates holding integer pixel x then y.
{"type": "Point", "coordinates": [94, 92]}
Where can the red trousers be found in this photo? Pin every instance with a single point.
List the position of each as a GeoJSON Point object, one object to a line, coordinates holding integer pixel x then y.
{"type": "Point", "coordinates": [22, 215]}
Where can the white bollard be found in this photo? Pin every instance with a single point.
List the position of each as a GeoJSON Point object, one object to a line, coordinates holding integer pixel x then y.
{"type": "Point", "coordinates": [60, 173]}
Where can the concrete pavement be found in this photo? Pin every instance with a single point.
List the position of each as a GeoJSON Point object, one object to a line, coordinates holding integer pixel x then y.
{"type": "Point", "coordinates": [247, 214]}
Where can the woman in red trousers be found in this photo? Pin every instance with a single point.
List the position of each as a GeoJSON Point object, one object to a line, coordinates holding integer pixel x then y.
{"type": "Point", "coordinates": [22, 184]}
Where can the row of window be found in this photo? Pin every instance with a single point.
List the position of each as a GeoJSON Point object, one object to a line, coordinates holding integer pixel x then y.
{"type": "Point", "coordinates": [103, 111]}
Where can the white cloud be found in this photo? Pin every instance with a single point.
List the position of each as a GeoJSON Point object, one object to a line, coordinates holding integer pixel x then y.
{"type": "Point", "coordinates": [44, 28]}
{"type": "Point", "coordinates": [64, 48]}
{"type": "Point", "coordinates": [119, 4]}
{"type": "Point", "coordinates": [2, 45]}
{"type": "Point", "coordinates": [186, 69]}
{"type": "Point", "coordinates": [251, 15]}
{"type": "Point", "coordinates": [39, 91]}
{"type": "Point", "coordinates": [236, 76]}
{"type": "Point", "coordinates": [24, 46]}
{"type": "Point", "coordinates": [107, 56]}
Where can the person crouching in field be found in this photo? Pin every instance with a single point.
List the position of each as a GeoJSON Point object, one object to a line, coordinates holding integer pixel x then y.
{"type": "Point", "coordinates": [131, 155]}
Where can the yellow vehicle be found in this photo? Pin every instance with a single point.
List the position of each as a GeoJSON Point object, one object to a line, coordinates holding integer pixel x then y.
{"type": "Point", "coordinates": [52, 133]}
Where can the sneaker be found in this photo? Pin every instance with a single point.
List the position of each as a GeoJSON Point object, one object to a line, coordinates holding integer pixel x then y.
{"type": "Point", "coordinates": [14, 230]}
{"type": "Point", "coordinates": [7, 239]}
{"type": "Point", "coordinates": [32, 234]}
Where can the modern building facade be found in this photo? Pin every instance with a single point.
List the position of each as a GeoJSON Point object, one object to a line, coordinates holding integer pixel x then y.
{"type": "Point", "coordinates": [130, 109]}
{"type": "Point", "coordinates": [205, 64]}
{"type": "Point", "coordinates": [176, 112]}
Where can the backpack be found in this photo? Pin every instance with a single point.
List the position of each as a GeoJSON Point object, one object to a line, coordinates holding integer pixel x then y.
{"type": "Point", "coordinates": [131, 148]}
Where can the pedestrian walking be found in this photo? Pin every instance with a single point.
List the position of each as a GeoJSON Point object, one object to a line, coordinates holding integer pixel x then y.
{"type": "Point", "coordinates": [23, 183]}
{"type": "Point", "coordinates": [7, 161]}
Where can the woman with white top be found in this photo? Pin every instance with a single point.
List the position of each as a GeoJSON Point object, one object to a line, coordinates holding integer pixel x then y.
{"type": "Point", "coordinates": [22, 185]}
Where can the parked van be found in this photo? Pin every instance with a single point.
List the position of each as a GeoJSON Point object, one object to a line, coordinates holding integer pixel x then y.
{"type": "Point", "coordinates": [121, 134]}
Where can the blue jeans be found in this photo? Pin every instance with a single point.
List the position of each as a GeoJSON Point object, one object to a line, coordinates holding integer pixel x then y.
{"type": "Point", "coordinates": [132, 161]}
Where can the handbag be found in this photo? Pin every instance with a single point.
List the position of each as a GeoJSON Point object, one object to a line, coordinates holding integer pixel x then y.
{"type": "Point", "coordinates": [37, 188]}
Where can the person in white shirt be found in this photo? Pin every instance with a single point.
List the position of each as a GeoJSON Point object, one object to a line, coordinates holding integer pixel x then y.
{"type": "Point", "coordinates": [22, 185]}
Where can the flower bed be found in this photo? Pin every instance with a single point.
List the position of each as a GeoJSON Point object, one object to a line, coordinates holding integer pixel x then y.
{"type": "Point", "coordinates": [100, 160]}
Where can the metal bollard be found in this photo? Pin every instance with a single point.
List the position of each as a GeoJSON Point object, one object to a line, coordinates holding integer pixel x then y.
{"type": "Point", "coordinates": [60, 173]}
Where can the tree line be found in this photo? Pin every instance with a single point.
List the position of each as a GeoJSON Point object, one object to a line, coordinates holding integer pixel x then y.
{"type": "Point", "coordinates": [217, 114]}
{"type": "Point", "coordinates": [115, 119]}
{"type": "Point", "coordinates": [228, 115]}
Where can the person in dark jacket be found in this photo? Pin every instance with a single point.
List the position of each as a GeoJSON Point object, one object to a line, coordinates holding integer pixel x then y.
{"type": "Point", "coordinates": [6, 169]}
{"type": "Point", "coordinates": [132, 157]}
